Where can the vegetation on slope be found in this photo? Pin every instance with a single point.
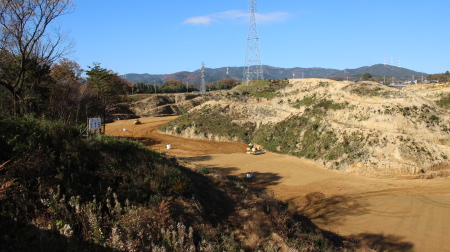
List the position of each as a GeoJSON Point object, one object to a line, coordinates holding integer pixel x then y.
{"type": "Point", "coordinates": [57, 182]}
{"type": "Point", "coordinates": [444, 101]}
{"type": "Point", "coordinates": [365, 89]}
{"type": "Point", "coordinates": [262, 88]}
{"type": "Point", "coordinates": [308, 135]}
{"type": "Point", "coordinates": [337, 124]}
{"type": "Point", "coordinates": [212, 120]}
{"type": "Point", "coordinates": [62, 192]}
{"type": "Point", "coordinates": [219, 120]}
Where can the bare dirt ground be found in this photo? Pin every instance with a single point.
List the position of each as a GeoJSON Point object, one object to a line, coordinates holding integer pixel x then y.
{"type": "Point", "coordinates": [398, 215]}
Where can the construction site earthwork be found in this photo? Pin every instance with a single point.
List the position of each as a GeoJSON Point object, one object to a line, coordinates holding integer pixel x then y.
{"type": "Point", "coordinates": [390, 182]}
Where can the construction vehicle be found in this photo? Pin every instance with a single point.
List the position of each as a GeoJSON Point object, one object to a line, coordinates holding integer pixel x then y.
{"type": "Point", "coordinates": [254, 149]}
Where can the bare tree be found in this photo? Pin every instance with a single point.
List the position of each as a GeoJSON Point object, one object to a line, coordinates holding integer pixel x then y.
{"type": "Point", "coordinates": [28, 40]}
{"type": "Point", "coordinates": [69, 94]}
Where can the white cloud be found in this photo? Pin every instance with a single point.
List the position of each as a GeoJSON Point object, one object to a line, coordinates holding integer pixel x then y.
{"type": "Point", "coordinates": [236, 14]}
{"type": "Point", "coordinates": [230, 14]}
{"type": "Point", "coordinates": [205, 20]}
{"type": "Point", "coordinates": [274, 17]}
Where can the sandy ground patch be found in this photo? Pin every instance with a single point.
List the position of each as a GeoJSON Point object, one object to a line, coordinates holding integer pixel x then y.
{"type": "Point", "coordinates": [402, 215]}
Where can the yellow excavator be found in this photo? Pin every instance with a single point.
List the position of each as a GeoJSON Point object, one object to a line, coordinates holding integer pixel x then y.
{"type": "Point", "coordinates": [254, 149]}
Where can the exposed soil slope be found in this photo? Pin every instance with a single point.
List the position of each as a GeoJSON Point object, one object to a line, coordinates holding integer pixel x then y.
{"type": "Point", "coordinates": [165, 105]}
{"type": "Point", "coordinates": [363, 128]}
{"type": "Point", "coordinates": [386, 214]}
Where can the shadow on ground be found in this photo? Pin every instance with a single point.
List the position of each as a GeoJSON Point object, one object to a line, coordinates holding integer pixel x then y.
{"type": "Point", "coordinates": [332, 210]}
{"type": "Point", "coordinates": [381, 242]}
{"type": "Point", "coordinates": [261, 179]}
{"type": "Point", "coordinates": [147, 141]}
{"type": "Point", "coordinates": [198, 159]}
{"type": "Point", "coordinates": [257, 179]}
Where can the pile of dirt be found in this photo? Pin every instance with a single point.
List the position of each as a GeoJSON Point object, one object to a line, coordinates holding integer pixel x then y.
{"type": "Point", "coordinates": [120, 111]}
{"type": "Point", "coordinates": [363, 128]}
{"type": "Point", "coordinates": [167, 105]}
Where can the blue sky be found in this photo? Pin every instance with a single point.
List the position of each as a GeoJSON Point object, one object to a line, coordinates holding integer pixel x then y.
{"type": "Point", "coordinates": [161, 37]}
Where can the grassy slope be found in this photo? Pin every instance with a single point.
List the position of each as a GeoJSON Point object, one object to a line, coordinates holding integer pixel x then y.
{"type": "Point", "coordinates": [59, 191]}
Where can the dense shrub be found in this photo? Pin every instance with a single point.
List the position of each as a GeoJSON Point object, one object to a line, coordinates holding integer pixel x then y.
{"type": "Point", "coordinates": [57, 178]}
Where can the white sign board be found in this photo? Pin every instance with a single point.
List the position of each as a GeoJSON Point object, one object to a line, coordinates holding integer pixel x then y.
{"type": "Point", "coordinates": [94, 123]}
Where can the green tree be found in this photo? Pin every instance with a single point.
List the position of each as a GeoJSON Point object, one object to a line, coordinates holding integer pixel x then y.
{"type": "Point", "coordinates": [367, 76]}
{"type": "Point", "coordinates": [173, 86]}
{"type": "Point", "coordinates": [109, 87]}
{"type": "Point", "coordinates": [143, 88]}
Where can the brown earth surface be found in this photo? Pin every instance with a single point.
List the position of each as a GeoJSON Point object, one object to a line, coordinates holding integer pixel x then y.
{"type": "Point", "coordinates": [395, 214]}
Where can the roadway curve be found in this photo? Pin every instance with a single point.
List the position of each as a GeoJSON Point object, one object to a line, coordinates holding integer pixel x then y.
{"type": "Point", "coordinates": [389, 214]}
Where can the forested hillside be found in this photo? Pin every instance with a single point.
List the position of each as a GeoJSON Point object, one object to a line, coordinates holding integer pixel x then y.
{"type": "Point", "coordinates": [379, 71]}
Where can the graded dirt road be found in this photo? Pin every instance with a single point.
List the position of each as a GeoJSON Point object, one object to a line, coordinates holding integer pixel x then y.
{"type": "Point", "coordinates": [390, 214]}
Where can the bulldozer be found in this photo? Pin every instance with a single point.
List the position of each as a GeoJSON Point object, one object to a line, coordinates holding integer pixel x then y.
{"type": "Point", "coordinates": [254, 149]}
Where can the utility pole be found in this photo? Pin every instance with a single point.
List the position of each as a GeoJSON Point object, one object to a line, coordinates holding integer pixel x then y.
{"type": "Point", "coordinates": [253, 69]}
{"type": "Point", "coordinates": [203, 82]}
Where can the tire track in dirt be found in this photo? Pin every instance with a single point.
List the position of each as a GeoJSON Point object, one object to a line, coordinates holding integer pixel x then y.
{"type": "Point", "coordinates": [427, 200]}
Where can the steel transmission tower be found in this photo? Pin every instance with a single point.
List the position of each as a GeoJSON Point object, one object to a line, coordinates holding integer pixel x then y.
{"type": "Point", "coordinates": [253, 68]}
{"type": "Point", "coordinates": [203, 82]}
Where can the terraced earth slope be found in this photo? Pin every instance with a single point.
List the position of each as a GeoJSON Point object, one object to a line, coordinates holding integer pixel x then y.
{"type": "Point", "coordinates": [362, 128]}
{"type": "Point", "coordinates": [169, 104]}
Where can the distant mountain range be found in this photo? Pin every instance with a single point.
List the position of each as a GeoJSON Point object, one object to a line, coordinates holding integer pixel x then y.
{"type": "Point", "coordinates": [236, 73]}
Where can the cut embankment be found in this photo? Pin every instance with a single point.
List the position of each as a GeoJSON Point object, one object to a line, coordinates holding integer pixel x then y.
{"type": "Point", "coordinates": [386, 214]}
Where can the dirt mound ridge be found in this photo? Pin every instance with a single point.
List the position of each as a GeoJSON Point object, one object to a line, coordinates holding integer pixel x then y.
{"type": "Point", "coordinates": [364, 128]}
{"type": "Point", "coordinates": [165, 105]}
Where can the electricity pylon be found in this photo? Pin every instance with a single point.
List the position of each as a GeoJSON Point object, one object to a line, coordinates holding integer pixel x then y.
{"type": "Point", "coordinates": [253, 69]}
{"type": "Point", "coordinates": [203, 82]}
